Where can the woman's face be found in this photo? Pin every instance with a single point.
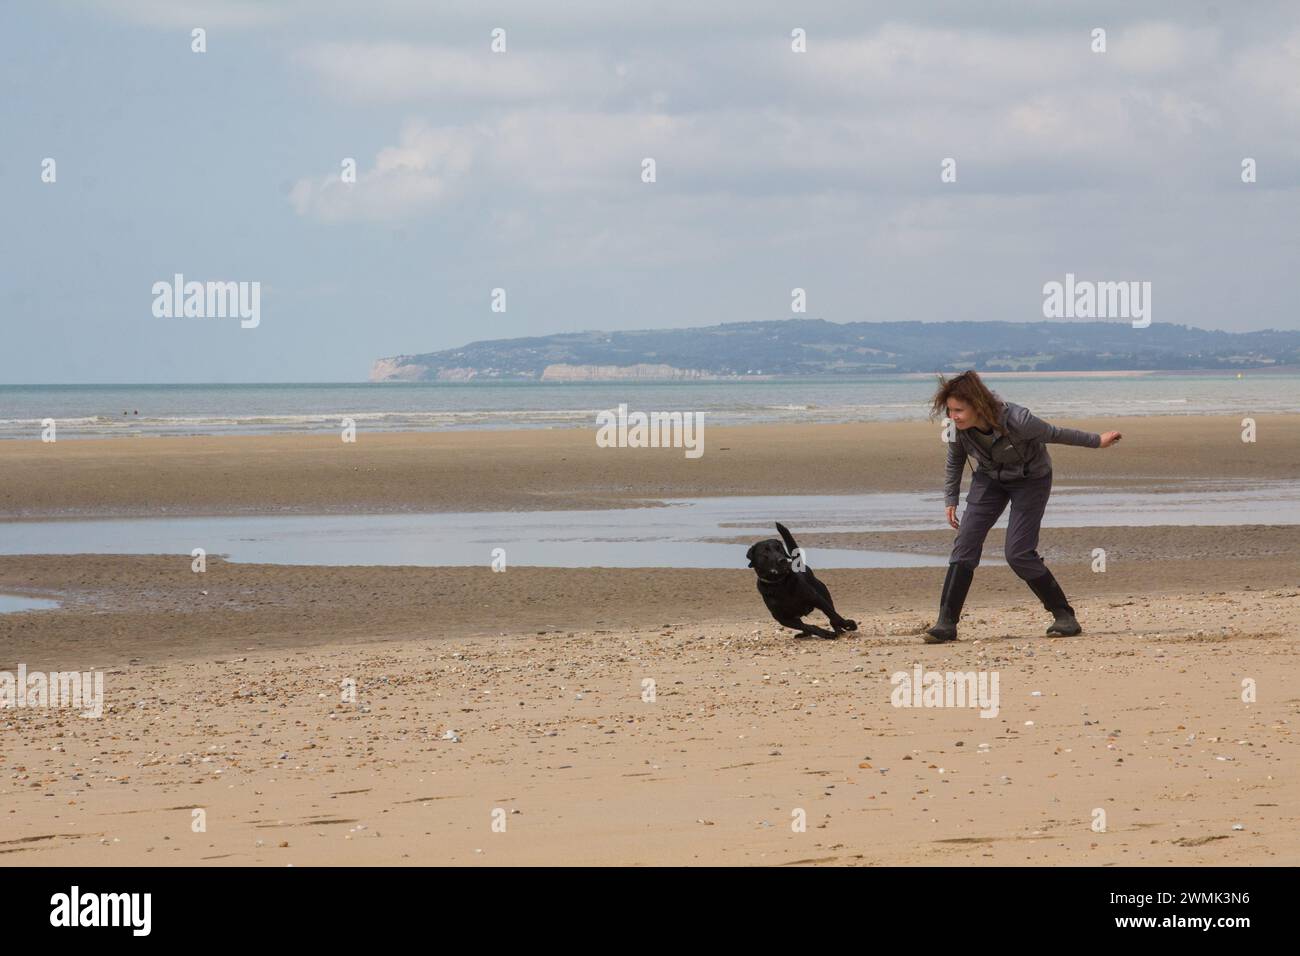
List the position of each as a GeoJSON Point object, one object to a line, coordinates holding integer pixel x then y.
{"type": "Point", "coordinates": [962, 414]}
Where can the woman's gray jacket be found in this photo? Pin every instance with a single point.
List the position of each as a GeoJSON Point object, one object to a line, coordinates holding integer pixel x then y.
{"type": "Point", "coordinates": [1019, 452]}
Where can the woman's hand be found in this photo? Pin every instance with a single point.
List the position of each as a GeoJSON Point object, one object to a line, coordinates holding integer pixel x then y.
{"type": "Point", "coordinates": [1109, 438]}
{"type": "Point", "coordinates": [952, 516]}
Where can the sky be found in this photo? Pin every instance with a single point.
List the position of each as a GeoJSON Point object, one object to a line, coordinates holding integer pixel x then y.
{"type": "Point", "coordinates": [523, 170]}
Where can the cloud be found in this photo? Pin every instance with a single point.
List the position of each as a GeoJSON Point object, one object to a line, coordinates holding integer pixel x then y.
{"type": "Point", "coordinates": [403, 72]}
{"type": "Point", "coordinates": [871, 113]}
{"type": "Point", "coordinates": [1268, 77]}
{"type": "Point", "coordinates": [235, 14]}
{"type": "Point", "coordinates": [423, 169]}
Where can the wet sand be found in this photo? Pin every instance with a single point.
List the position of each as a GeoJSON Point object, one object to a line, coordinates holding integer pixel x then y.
{"type": "Point", "coordinates": [154, 608]}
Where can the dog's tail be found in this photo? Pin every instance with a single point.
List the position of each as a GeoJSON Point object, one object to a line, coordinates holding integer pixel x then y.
{"type": "Point", "coordinates": [787, 537]}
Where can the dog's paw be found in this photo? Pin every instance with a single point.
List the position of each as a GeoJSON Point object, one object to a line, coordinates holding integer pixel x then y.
{"type": "Point", "coordinates": [848, 625]}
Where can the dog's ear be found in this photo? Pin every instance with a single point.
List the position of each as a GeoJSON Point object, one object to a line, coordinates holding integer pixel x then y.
{"type": "Point", "coordinates": [787, 537]}
{"type": "Point", "coordinates": [749, 555]}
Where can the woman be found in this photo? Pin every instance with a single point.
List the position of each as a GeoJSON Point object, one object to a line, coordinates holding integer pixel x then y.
{"type": "Point", "coordinates": [1009, 444]}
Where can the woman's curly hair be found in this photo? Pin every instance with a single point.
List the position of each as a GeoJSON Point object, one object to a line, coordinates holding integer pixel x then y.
{"type": "Point", "coordinates": [970, 388]}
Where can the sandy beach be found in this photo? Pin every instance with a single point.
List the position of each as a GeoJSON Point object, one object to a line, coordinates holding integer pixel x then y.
{"type": "Point", "coordinates": [563, 468]}
{"type": "Point", "coordinates": [505, 719]}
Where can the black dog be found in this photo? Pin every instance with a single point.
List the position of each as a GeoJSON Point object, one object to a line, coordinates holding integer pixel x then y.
{"type": "Point", "coordinates": [790, 592]}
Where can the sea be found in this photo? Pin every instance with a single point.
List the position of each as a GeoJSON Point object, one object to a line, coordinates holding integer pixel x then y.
{"type": "Point", "coordinates": [97, 411]}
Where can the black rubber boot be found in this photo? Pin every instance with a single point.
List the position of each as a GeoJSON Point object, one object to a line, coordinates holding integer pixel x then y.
{"type": "Point", "coordinates": [955, 586]}
{"type": "Point", "coordinates": [1053, 598]}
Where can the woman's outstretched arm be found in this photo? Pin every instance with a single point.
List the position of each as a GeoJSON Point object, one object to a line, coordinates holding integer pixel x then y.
{"type": "Point", "coordinates": [1031, 426]}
